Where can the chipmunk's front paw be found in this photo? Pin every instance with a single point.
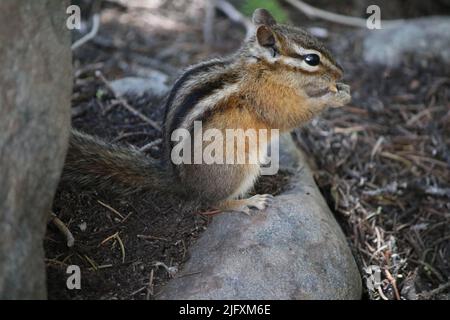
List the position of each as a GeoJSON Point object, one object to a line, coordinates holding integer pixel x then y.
{"type": "Point", "coordinates": [342, 96]}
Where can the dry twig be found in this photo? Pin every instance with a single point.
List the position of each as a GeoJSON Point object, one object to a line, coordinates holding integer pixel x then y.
{"type": "Point", "coordinates": [393, 283]}
{"type": "Point", "coordinates": [149, 145]}
{"type": "Point", "coordinates": [313, 12]}
{"type": "Point", "coordinates": [172, 271]}
{"type": "Point", "coordinates": [125, 103]}
{"type": "Point", "coordinates": [90, 35]}
{"type": "Point", "coordinates": [111, 209]}
{"type": "Point", "coordinates": [150, 290]}
{"type": "Point", "coordinates": [116, 237]}
{"type": "Point", "coordinates": [63, 229]}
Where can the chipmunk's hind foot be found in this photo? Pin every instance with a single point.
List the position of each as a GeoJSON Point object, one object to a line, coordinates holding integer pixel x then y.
{"type": "Point", "coordinates": [259, 201]}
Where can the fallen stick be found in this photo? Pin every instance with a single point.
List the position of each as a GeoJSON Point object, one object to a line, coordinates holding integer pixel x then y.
{"type": "Point", "coordinates": [314, 12]}
{"type": "Point", "coordinates": [150, 145]}
{"type": "Point", "coordinates": [111, 209]}
{"type": "Point", "coordinates": [90, 35]}
{"type": "Point", "coordinates": [125, 103]}
{"type": "Point", "coordinates": [170, 270]}
{"type": "Point", "coordinates": [393, 282]}
{"type": "Point", "coordinates": [63, 229]}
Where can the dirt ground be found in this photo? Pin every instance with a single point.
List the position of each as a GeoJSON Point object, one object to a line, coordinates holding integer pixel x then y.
{"type": "Point", "coordinates": [383, 162]}
{"type": "Point", "coordinates": [383, 165]}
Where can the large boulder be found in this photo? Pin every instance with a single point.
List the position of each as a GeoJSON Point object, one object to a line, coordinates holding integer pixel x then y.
{"type": "Point", "coordinates": [295, 249]}
{"type": "Point", "coordinates": [423, 38]}
{"type": "Point", "coordinates": [35, 82]}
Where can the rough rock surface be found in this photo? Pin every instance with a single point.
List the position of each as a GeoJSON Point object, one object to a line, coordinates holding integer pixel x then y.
{"type": "Point", "coordinates": [155, 84]}
{"type": "Point", "coordinates": [423, 37]}
{"type": "Point", "coordinates": [293, 250]}
{"type": "Point", "coordinates": [35, 82]}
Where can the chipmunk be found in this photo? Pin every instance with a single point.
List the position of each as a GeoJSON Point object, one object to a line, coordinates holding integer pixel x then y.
{"type": "Point", "coordinates": [279, 79]}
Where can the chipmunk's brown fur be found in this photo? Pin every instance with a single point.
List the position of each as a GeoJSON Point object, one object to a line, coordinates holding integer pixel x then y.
{"type": "Point", "coordinates": [273, 82]}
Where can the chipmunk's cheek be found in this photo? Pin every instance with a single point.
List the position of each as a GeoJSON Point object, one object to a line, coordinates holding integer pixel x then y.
{"type": "Point", "coordinates": [315, 92]}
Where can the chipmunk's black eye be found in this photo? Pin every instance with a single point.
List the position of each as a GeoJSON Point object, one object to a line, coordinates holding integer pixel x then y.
{"type": "Point", "coordinates": [274, 52]}
{"type": "Point", "coordinates": [312, 59]}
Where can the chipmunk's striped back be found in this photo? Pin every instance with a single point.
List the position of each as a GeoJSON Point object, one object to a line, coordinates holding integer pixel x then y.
{"type": "Point", "coordinates": [197, 91]}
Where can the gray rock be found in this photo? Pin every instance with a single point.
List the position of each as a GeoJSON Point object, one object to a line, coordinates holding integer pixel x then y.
{"type": "Point", "coordinates": [293, 250]}
{"type": "Point", "coordinates": [423, 37]}
{"type": "Point", "coordinates": [154, 84]}
{"type": "Point", "coordinates": [35, 82]}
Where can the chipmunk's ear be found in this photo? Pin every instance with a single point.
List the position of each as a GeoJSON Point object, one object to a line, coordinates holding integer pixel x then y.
{"type": "Point", "coordinates": [265, 36]}
{"type": "Point", "coordinates": [263, 17]}
{"type": "Point", "coordinates": [263, 21]}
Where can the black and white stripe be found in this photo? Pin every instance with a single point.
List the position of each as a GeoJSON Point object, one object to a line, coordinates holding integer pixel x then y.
{"type": "Point", "coordinates": [197, 90]}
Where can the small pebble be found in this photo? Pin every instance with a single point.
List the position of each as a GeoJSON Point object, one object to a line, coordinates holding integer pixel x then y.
{"type": "Point", "coordinates": [82, 226]}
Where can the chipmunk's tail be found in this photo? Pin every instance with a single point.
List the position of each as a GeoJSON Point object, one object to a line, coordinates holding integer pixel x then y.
{"type": "Point", "coordinates": [96, 164]}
